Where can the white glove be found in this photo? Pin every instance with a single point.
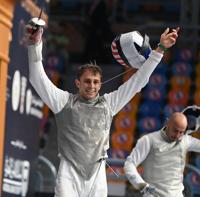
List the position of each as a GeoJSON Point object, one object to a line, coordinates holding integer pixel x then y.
{"type": "Point", "coordinates": [31, 35]}
{"type": "Point", "coordinates": [148, 191]}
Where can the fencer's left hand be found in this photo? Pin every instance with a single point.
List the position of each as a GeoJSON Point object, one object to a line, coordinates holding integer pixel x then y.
{"type": "Point", "coordinates": [168, 37]}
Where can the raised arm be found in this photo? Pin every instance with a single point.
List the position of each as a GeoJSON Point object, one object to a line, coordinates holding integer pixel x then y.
{"type": "Point", "coordinates": [54, 97]}
{"type": "Point", "coordinates": [127, 91]}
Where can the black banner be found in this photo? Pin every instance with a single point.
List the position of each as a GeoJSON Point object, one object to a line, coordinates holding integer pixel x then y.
{"type": "Point", "coordinates": [23, 113]}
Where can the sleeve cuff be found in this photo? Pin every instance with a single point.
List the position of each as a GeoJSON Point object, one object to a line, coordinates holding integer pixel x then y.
{"type": "Point", "coordinates": [156, 55]}
{"type": "Point", "coordinates": [35, 52]}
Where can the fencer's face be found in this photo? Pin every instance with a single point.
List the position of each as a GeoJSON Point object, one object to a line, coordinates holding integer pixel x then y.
{"type": "Point", "coordinates": [176, 126]}
{"type": "Point", "coordinates": [89, 84]}
{"type": "Point", "coordinates": [175, 133]}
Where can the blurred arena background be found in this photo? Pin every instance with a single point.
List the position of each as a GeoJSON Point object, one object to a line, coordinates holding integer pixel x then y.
{"type": "Point", "coordinates": [81, 31]}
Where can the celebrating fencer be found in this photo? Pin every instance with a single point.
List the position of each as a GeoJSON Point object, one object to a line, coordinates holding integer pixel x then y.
{"type": "Point", "coordinates": [84, 119]}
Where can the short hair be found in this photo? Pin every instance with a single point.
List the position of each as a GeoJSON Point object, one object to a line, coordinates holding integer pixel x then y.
{"type": "Point", "coordinates": [92, 67]}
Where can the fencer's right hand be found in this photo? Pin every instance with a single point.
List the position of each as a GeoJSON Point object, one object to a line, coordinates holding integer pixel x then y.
{"type": "Point", "coordinates": [30, 37]}
{"type": "Point", "coordinates": [148, 191]}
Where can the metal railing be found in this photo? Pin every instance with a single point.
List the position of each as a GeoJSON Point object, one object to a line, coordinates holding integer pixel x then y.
{"type": "Point", "coordinates": [46, 175]}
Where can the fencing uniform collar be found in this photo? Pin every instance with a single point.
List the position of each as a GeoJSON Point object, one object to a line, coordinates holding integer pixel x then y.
{"type": "Point", "coordinates": [88, 101]}
{"type": "Point", "coordinates": [166, 138]}
{"type": "Point", "coordinates": [164, 135]}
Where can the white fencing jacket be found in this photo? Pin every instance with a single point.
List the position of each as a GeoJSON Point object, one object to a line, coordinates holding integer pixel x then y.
{"type": "Point", "coordinates": [83, 128]}
{"type": "Point", "coordinates": [163, 162]}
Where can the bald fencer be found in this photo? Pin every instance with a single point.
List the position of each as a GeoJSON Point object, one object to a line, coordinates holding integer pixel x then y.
{"type": "Point", "coordinates": [162, 154]}
{"type": "Point", "coordinates": [84, 119]}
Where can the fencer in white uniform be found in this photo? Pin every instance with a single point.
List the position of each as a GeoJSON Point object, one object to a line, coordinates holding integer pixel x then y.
{"type": "Point", "coordinates": [162, 154]}
{"type": "Point", "coordinates": [84, 119]}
